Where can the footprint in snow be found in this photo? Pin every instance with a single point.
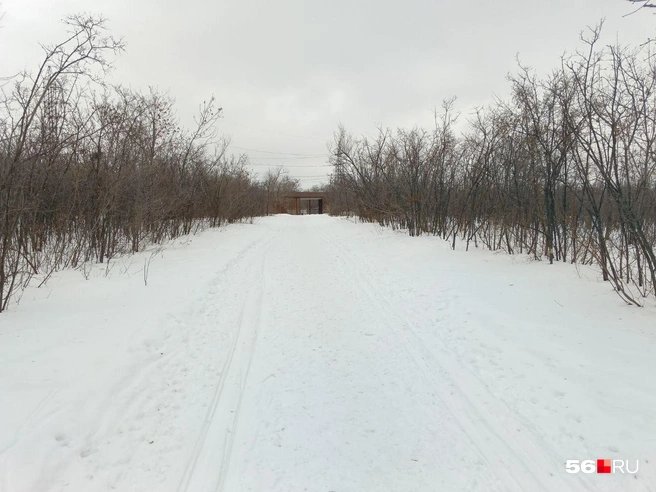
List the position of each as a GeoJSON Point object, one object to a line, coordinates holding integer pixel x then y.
{"type": "Point", "coordinates": [61, 439]}
{"type": "Point", "coordinates": [86, 452]}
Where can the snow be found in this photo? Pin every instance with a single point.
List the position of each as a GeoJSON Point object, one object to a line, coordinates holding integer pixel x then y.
{"type": "Point", "coordinates": [315, 353]}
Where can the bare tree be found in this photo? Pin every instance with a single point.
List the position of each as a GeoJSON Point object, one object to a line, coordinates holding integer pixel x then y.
{"type": "Point", "coordinates": [642, 4]}
{"type": "Point", "coordinates": [565, 169]}
{"type": "Point", "coordinates": [89, 171]}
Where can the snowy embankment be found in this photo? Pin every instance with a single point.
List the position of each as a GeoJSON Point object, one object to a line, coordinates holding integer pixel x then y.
{"type": "Point", "coordinates": [311, 353]}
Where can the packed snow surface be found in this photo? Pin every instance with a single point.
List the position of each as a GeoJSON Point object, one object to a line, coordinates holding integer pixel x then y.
{"type": "Point", "coordinates": [318, 354]}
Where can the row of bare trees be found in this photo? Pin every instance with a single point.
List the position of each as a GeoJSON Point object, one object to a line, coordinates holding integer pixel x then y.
{"type": "Point", "coordinates": [89, 171]}
{"type": "Point", "coordinates": [277, 184]}
{"type": "Point", "coordinates": [563, 170]}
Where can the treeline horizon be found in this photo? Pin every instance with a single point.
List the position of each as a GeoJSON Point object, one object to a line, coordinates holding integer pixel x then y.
{"type": "Point", "coordinates": [563, 170]}
{"type": "Point", "coordinates": [89, 171]}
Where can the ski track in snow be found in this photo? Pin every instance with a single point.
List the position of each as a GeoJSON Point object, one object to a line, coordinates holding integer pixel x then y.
{"type": "Point", "coordinates": [488, 438]}
{"type": "Point", "coordinates": [315, 354]}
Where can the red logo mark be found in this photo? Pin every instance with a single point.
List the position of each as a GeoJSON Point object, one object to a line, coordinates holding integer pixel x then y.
{"type": "Point", "coordinates": [603, 466]}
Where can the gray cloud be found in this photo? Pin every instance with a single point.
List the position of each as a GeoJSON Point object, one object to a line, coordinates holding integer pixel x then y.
{"type": "Point", "coordinates": [287, 72]}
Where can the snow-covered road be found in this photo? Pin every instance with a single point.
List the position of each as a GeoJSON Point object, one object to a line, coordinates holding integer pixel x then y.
{"type": "Point", "coordinates": [315, 354]}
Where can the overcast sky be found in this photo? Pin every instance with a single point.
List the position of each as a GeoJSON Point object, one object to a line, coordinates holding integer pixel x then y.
{"type": "Point", "coordinates": [287, 72]}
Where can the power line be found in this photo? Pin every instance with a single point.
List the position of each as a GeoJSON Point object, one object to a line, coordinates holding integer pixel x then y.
{"type": "Point", "coordinates": [310, 177]}
{"type": "Point", "coordinates": [280, 153]}
{"type": "Point", "coordinates": [286, 158]}
{"type": "Point", "coordinates": [323, 139]}
{"type": "Point", "coordinates": [261, 164]}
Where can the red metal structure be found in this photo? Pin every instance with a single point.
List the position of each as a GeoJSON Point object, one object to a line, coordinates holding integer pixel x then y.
{"type": "Point", "coordinates": [305, 202]}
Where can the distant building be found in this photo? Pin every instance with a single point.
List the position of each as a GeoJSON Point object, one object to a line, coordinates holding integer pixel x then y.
{"type": "Point", "coordinates": [303, 203]}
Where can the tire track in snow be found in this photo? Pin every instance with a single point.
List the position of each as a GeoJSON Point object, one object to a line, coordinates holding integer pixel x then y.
{"type": "Point", "coordinates": [528, 458]}
{"type": "Point", "coordinates": [122, 423]}
{"type": "Point", "coordinates": [255, 301]}
{"type": "Point", "coordinates": [33, 421]}
{"type": "Point", "coordinates": [217, 435]}
{"type": "Point", "coordinates": [167, 357]}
